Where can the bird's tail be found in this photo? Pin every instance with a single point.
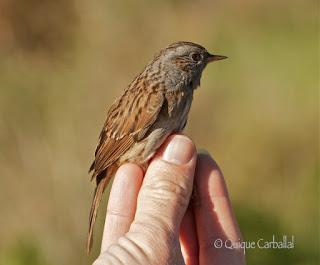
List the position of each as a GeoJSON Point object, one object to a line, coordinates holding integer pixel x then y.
{"type": "Point", "coordinates": [94, 209]}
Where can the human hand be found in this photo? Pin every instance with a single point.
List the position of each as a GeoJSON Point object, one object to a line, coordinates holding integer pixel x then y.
{"type": "Point", "coordinates": [149, 219]}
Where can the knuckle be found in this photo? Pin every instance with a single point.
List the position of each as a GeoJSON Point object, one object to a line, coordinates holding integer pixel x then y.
{"type": "Point", "coordinates": [146, 228]}
{"type": "Point", "coordinates": [168, 186]}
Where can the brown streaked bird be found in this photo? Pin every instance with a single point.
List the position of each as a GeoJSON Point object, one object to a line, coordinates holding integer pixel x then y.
{"type": "Point", "coordinates": [155, 105]}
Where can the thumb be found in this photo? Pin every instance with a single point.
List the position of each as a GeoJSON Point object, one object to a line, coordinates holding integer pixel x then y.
{"type": "Point", "coordinates": [153, 237]}
{"type": "Point", "coordinates": [167, 186]}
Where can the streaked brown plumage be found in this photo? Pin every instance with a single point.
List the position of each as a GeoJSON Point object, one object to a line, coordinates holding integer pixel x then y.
{"type": "Point", "coordinates": [155, 105]}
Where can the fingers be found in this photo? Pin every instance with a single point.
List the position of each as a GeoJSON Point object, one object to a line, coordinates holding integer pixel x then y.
{"type": "Point", "coordinates": [188, 239]}
{"type": "Point", "coordinates": [122, 203]}
{"type": "Point", "coordinates": [213, 213]}
{"type": "Point", "coordinates": [162, 203]}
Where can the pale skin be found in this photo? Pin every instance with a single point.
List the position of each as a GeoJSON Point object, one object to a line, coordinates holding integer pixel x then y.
{"type": "Point", "coordinates": [150, 219]}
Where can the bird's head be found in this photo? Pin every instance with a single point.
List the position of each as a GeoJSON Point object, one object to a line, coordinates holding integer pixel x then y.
{"type": "Point", "coordinates": [185, 60]}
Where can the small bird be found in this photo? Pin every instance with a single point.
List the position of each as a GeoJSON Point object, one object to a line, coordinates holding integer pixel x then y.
{"type": "Point", "coordinates": [155, 105]}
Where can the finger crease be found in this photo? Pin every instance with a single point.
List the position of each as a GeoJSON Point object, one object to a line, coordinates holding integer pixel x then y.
{"type": "Point", "coordinates": [117, 214]}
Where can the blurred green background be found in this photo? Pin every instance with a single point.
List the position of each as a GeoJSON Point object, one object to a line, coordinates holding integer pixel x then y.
{"type": "Point", "coordinates": [63, 62]}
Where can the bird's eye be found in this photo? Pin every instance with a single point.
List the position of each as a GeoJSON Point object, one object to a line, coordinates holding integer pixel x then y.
{"type": "Point", "coordinates": [196, 56]}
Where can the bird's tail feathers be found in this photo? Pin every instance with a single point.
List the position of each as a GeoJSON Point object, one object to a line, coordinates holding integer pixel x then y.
{"type": "Point", "coordinates": [94, 209]}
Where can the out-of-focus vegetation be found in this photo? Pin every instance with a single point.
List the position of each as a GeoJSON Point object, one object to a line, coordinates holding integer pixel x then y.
{"type": "Point", "coordinates": [63, 62]}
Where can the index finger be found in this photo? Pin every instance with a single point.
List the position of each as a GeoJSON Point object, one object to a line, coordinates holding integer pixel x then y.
{"type": "Point", "coordinates": [122, 203]}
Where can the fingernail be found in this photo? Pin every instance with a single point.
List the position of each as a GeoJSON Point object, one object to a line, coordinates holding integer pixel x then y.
{"type": "Point", "coordinates": [179, 151]}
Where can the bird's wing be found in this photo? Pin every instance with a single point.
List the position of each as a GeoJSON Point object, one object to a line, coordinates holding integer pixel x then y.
{"type": "Point", "coordinates": [127, 118]}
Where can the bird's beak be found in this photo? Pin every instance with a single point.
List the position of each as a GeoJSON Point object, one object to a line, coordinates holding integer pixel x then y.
{"type": "Point", "coordinates": [212, 58]}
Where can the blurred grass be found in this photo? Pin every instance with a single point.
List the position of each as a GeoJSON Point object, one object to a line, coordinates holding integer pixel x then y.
{"type": "Point", "coordinates": [62, 64]}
